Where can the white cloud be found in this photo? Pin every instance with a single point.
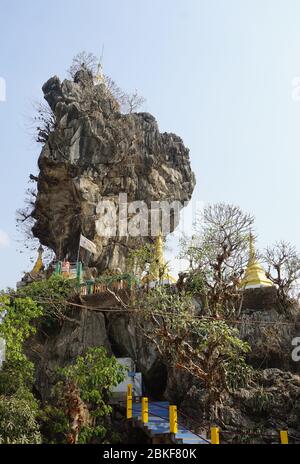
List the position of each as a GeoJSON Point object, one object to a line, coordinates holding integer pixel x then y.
{"type": "Point", "coordinates": [4, 239]}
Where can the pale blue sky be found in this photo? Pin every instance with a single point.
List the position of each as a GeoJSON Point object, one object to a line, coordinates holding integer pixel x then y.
{"type": "Point", "coordinates": [216, 72]}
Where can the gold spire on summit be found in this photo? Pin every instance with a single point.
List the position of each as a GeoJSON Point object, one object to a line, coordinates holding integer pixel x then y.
{"type": "Point", "coordinates": [99, 77]}
{"type": "Point", "coordinates": [159, 271]}
{"type": "Point", "coordinates": [255, 275]}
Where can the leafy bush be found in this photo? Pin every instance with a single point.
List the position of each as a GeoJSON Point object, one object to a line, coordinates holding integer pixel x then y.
{"type": "Point", "coordinates": [51, 294]}
{"type": "Point", "coordinates": [54, 424]}
{"type": "Point", "coordinates": [18, 408]}
{"type": "Point", "coordinates": [261, 402]}
{"type": "Point", "coordinates": [16, 327]}
{"type": "Point", "coordinates": [18, 420]}
{"type": "Point", "coordinates": [206, 348]}
{"type": "Point", "coordinates": [17, 315]}
{"type": "Point", "coordinates": [83, 392]}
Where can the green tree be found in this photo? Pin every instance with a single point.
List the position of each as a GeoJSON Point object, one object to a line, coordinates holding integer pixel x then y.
{"type": "Point", "coordinates": [208, 349]}
{"type": "Point", "coordinates": [52, 295]}
{"type": "Point", "coordinates": [84, 391]}
{"type": "Point", "coordinates": [16, 326]}
{"type": "Point", "coordinates": [141, 261]}
{"type": "Point", "coordinates": [18, 420]}
{"type": "Point", "coordinates": [18, 408]}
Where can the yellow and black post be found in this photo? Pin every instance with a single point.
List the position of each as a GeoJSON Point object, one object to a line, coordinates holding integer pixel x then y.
{"type": "Point", "coordinates": [129, 402]}
{"type": "Point", "coordinates": [173, 419]}
{"type": "Point", "coordinates": [145, 411]}
{"type": "Point", "coordinates": [284, 438]}
{"type": "Point", "coordinates": [215, 435]}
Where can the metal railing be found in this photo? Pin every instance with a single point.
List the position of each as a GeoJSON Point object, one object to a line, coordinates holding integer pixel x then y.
{"type": "Point", "coordinates": [215, 432]}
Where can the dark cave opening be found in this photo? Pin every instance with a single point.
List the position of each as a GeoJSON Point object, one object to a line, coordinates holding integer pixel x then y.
{"type": "Point", "coordinates": [155, 381]}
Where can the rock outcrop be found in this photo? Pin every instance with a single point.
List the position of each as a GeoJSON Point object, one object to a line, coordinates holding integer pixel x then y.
{"type": "Point", "coordinates": [92, 326]}
{"type": "Point", "coordinates": [94, 153]}
{"type": "Point", "coordinates": [254, 414]}
{"type": "Point", "coordinates": [269, 327]}
{"type": "Point", "coordinates": [270, 402]}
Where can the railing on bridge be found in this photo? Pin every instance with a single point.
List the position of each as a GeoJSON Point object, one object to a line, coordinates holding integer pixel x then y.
{"type": "Point", "coordinates": [173, 426]}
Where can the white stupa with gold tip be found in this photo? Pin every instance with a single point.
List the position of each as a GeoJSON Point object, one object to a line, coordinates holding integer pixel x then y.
{"type": "Point", "coordinates": [255, 276]}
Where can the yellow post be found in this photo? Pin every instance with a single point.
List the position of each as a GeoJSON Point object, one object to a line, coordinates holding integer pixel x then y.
{"type": "Point", "coordinates": [173, 419]}
{"type": "Point", "coordinates": [215, 435]}
{"type": "Point", "coordinates": [284, 438]}
{"type": "Point", "coordinates": [145, 412]}
{"type": "Point", "coordinates": [129, 402]}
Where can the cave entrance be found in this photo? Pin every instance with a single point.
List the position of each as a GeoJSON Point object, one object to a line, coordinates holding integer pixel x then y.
{"type": "Point", "coordinates": [155, 381]}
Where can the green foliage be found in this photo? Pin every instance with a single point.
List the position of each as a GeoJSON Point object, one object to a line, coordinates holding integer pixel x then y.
{"type": "Point", "coordinates": [16, 375]}
{"type": "Point", "coordinates": [237, 372]}
{"type": "Point", "coordinates": [142, 260]}
{"type": "Point", "coordinates": [54, 424]}
{"type": "Point", "coordinates": [196, 284]}
{"type": "Point", "coordinates": [206, 348]}
{"type": "Point", "coordinates": [162, 302]}
{"type": "Point", "coordinates": [18, 408]}
{"type": "Point", "coordinates": [261, 401]}
{"type": "Point", "coordinates": [17, 315]}
{"type": "Point", "coordinates": [19, 418]}
{"type": "Point", "coordinates": [109, 279]}
{"type": "Point", "coordinates": [51, 294]}
{"type": "Point", "coordinates": [94, 374]}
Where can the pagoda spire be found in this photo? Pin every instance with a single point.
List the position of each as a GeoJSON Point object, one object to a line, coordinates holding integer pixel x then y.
{"type": "Point", "coordinates": [159, 271]}
{"type": "Point", "coordinates": [252, 253]}
{"type": "Point", "coordinates": [255, 276]}
{"type": "Point", "coordinates": [38, 266]}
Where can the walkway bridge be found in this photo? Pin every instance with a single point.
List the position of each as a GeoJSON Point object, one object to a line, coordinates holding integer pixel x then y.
{"type": "Point", "coordinates": [161, 422]}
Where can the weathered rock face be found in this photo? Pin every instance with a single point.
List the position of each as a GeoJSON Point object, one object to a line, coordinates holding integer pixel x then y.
{"type": "Point", "coordinates": [63, 344]}
{"type": "Point", "coordinates": [271, 401]}
{"type": "Point", "coordinates": [269, 328]}
{"type": "Point", "coordinates": [263, 408]}
{"type": "Point", "coordinates": [258, 299]}
{"type": "Point", "coordinates": [85, 328]}
{"type": "Point", "coordinates": [94, 154]}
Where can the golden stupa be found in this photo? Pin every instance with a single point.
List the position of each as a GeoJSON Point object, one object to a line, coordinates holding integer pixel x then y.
{"type": "Point", "coordinates": [159, 271]}
{"type": "Point", "coordinates": [38, 266]}
{"type": "Point", "coordinates": [255, 276]}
